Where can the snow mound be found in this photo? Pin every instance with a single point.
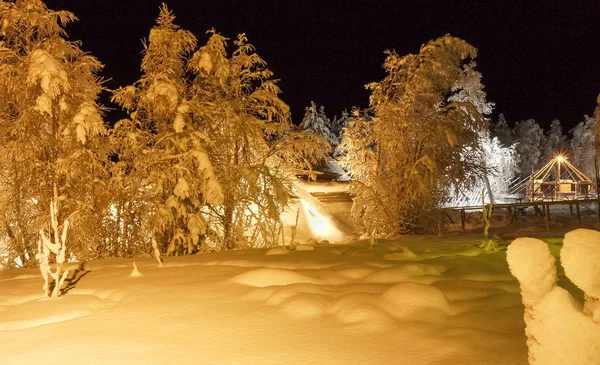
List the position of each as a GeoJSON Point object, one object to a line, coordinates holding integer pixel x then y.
{"type": "Point", "coordinates": [45, 311]}
{"type": "Point", "coordinates": [402, 255]}
{"type": "Point", "coordinates": [406, 272]}
{"type": "Point", "coordinates": [304, 248]}
{"type": "Point", "coordinates": [304, 305]}
{"type": "Point", "coordinates": [135, 272]}
{"type": "Point", "coordinates": [406, 299]}
{"type": "Point", "coordinates": [355, 273]}
{"type": "Point", "coordinates": [531, 262]}
{"type": "Point", "coordinates": [277, 251]}
{"type": "Point", "coordinates": [580, 257]}
{"type": "Point", "coordinates": [360, 308]}
{"type": "Point", "coordinates": [559, 331]}
{"type": "Point", "coordinates": [269, 277]}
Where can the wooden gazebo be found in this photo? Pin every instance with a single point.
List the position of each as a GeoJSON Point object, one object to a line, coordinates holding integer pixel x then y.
{"type": "Point", "coordinates": [558, 180]}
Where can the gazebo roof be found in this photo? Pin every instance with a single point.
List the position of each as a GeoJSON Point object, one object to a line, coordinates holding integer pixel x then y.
{"type": "Point", "coordinates": [561, 166]}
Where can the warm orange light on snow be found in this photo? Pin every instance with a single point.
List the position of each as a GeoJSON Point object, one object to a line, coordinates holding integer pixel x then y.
{"type": "Point", "coordinates": [321, 226]}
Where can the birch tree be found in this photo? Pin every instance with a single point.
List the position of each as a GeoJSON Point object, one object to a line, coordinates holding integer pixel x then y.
{"type": "Point", "coordinates": [419, 142]}
{"type": "Point", "coordinates": [51, 130]}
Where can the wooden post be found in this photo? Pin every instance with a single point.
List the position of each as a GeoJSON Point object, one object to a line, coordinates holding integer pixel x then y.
{"type": "Point", "coordinates": [463, 218]}
{"type": "Point", "coordinates": [578, 215]}
{"type": "Point", "coordinates": [547, 215]}
{"type": "Point", "coordinates": [571, 208]}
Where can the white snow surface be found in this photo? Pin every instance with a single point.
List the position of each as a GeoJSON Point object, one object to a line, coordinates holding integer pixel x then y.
{"type": "Point", "coordinates": [446, 303]}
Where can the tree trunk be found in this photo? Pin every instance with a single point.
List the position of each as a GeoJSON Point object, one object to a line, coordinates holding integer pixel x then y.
{"type": "Point", "coordinates": [228, 236]}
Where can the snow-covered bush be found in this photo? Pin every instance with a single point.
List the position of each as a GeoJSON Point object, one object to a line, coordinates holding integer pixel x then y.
{"type": "Point", "coordinates": [560, 331]}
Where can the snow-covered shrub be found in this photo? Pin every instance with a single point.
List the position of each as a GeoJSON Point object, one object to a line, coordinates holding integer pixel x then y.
{"type": "Point", "coordinates": [560, 331]}
{"type": "Point", "coordinates": [580, 257]}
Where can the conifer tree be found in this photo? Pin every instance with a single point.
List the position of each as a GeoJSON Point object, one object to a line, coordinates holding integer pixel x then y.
{"type": "Point", "coordinates": [51, 131]}
{"type": "Point", "coordinates": [555, 142]}
{"type": "Point", "coordinates": [338, 124]}
{"type": "Point", "coordinates": [164, 173]}
{"type": "Point", "coordinates": [255, 145]}
{"type": "Point", "coordinates": [316, 120]}
{"type": "Point", "coordinates": [419, 141]}
{"type": "Point", "coordinates": [503, 132]}
{"type": "Point", "coordinates": [530, 138]}
{"type": "Point", "coordinates": [582, 145]}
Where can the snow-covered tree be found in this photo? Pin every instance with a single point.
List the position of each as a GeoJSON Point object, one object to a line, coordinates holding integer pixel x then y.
{"type": "Point", "coordinates": [503, 132]}
{"type": "Point", "coordinates": [555, 142]}
{"type": "Point", "coordinates": [419, 141]}
{"type": "Point", "coordinates": [530, 138]}
{"type": "Point", "coordinates": [316, 120]}
{"type": "Point", "coordinates": [469, 89]}
{"type": "Point", "coordinates": [255, 146]}
{"type": "Point", "coordinates": [499, 161]}
{"type": "Point", "coordinates": [51, 130]}
{"type": "Point", "coordinates": [164, 173]}
{"type": "Point", "coordinates": [338, 124]}
{"type": "Point", "coordinates": [583, 146]}
{"type": "Point", "coordinates": [502, 164]}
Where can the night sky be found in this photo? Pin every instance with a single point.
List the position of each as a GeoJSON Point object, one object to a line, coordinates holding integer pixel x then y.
{"type": "Point", "coordinates": [540, 60]}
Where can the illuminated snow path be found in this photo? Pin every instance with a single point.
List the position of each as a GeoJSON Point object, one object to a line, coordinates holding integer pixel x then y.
{"type": "Point", "coordinates": [342, 304]}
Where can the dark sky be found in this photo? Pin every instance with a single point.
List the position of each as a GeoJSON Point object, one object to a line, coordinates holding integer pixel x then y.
{"type": "Point", "coordinates": [539, 59]}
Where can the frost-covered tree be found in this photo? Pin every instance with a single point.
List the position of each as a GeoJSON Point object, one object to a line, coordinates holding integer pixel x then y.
{"type": "Point", "coordinates": [469, 89]}
{"type": "Point", "coordinates": [339, 123]}
{"type": "Point", "coordinates": [164, 174]}
{"type": "Point", "coordinates": [316, 120]}
{"type": "Point", "coordinates": [255, 146]}
{"type": "Point", "coordinates": [338, 126]}
{"type": "Point", "coordinates": [555, 142]}
{"type": "Point", "coordinates": [498, 160]}
{"type": "Point", "coordinates": [418, 143]}
{"type": "Point", "coordinates": [583, 146]}
{"type": "Point", "coordinates": [530, 138]}
{"type": "Point", "coordinates": [51, 131]}
{"type": "Point", "coordinates": [502, 164]}
{"type": "Point", "coordinates": [503, 132]}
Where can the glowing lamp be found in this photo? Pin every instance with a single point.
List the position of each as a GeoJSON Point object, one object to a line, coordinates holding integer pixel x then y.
{"type": "Point", "coordinates": [560, 158]}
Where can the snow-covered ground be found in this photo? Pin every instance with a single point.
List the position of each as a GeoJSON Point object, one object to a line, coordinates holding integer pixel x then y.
{"type": "Point", "coordinates": [417, 300]}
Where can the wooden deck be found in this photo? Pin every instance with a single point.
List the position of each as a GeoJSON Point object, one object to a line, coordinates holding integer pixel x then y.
{"type": "Point", "coordinates": [540, 208]}
{"type": "Point", "coordinates": [333, 197]}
